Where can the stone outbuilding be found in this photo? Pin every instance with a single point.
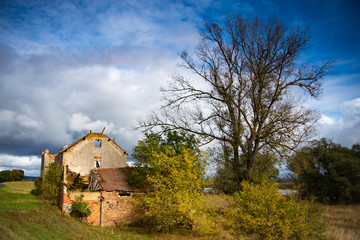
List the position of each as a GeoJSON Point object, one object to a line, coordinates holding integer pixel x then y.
{"type": "Point", "coordinates": [94, 167]}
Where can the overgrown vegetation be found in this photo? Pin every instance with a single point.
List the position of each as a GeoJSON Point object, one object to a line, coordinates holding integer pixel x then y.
{"type": "Point", "coordinates": [79, 208]}
{"type": "Point", "coordinates": [171, 183]}
{"type": "Point", "coordinates": [11, 175]}
{"type": "Point", "coordinates": [171, 143]}
{"type": "Point", "coordinates": [49, 187]}
{"type": "Point", "coordinates": [259, 210]}
{"type": "Point", "coordinates": [328, 171]}
{"type": "Point", "coordinates": [37, 190]}
{"type": "Point", "coordinates": [175, 191]}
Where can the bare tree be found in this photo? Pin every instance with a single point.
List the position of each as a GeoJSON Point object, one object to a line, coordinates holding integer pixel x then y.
{"type": "Point", "coordinates": [248, 70]}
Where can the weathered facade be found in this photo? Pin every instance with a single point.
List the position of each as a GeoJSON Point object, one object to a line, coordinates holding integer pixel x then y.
{"type": "Point", "coordinates": [46, 159]}
{"type": "Point", "coordinates": [98, 163]}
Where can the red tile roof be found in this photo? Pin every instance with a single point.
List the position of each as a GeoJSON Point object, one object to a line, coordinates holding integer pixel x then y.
{"type": "Point", "coordinates": [114, 179]}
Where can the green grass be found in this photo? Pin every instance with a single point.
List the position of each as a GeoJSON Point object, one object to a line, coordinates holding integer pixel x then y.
{"type": "Point", "coordinates": [15, 196]}
{"type": "Point", "coordinates": [23, 216]}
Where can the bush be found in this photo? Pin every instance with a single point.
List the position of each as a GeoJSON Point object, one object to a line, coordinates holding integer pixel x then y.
{"type": "Point", "coordinates": [261, 210]}
{"type": "Point", "coordinates": [37, 190]}
{"type": "Point", "coordinates": [79, 208]}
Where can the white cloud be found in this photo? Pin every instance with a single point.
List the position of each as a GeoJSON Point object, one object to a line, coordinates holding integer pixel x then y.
{"type": "Point", "coordinates": [326, 120]}
{"type": "Point", "coordinates": [30, 164]}
{"type": "Point", "coordinates": [346, 128]}
{"type": "Point", "coordinates": [78, 122]}
{"type": "Point", "coordinates": [66, 68]}
{"type": "Point", "coordinates": [336, 90]}
{"type": "Point", "coordinates": [52, 99]}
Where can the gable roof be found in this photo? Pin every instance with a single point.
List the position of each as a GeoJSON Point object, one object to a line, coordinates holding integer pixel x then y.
{"type": "Point", "coordinates": [114, 179]}
{"type": "Point", "coordinates": [91, 135]}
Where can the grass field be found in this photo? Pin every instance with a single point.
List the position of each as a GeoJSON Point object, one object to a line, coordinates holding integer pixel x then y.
{"type": "Point", "coordinates": [343, 222]}
{"type": "Point", "coordinates": [23, 216]}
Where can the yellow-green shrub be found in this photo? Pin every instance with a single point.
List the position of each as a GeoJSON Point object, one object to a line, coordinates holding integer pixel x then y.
{"type": "Point", "coordinates": [260, 210]}
{"type": "Point", "coordinates": [175, 191]}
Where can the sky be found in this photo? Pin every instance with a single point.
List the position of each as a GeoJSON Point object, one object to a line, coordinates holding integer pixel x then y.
{"type": "Point", "coordinates": [68, 67]}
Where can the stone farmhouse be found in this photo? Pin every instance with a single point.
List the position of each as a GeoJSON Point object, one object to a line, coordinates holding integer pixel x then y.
{"type": "Point", "coordinates": [94, 167]}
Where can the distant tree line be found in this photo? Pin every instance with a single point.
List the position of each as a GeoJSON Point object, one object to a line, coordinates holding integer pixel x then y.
{"type": "Point", "coordinates": [328, 171]}
{"type": "Point", "coordinates": [11, 175]}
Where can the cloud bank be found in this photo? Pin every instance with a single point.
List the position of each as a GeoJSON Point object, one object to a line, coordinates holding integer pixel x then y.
{"type": "Point", "coordinates": [67, 67]}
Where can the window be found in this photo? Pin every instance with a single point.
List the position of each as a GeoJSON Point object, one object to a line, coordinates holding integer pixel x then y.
{"type": "Point", "coordinates": [97, 162]}
{"type": "Point", "coordinates": [97, 142]}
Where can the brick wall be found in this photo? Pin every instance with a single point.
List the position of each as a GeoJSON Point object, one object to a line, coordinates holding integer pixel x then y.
{"type": "Point", "coordinates": [116, 209]}
{"type": "Point", "coordinates": [94, 218]}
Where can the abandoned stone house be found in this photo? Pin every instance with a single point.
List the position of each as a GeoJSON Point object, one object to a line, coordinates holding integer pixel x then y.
{"type": "Point", "coordinates": [97, 163]}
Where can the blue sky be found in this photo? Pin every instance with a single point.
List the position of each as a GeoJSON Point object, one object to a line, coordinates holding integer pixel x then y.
{"type": "Point", "coordinates": [67, 67]}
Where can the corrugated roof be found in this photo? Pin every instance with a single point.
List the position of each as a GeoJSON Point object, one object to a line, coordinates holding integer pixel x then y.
{"type": "Point", "coordinates": [114, 179]}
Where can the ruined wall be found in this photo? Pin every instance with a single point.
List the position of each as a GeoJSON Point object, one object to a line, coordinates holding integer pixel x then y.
{"type": "Point", "coordinates": [46, 159]}
{"type": "Point", "coordinates": [92, 151]}
{"type": "Point", "coordinates": [107, 208]}
{"type": "Point", "coordinates": [116, 209]}
{"type": "Point", "coordinates": [95, 150]}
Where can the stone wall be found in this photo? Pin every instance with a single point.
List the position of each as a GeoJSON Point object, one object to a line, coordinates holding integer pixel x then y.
{"type": "Point", "coordinates": [116, 209]}
{"type": "Point", "coordinates": [46, 159]}
{"type": "Point", "coordinates": [86, 154]}
{"type": "Point", "coordinates": [107, 208]}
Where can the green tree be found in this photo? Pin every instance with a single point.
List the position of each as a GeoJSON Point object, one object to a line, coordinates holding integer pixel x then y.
{"type": "Point", "coordinates": [16, 175]}
{"type": "Point", "coordinates": [249, 68]}
{"type": "Point", "coordinates": [51, 184]}
{"type": "Point", "coordinates": [171, 174]}
{"type": "Point", "coordinates": [11, 175]}
{"type": "Point", "coordinates": [169, 143]}
{"type": "Point", "coordinates": [5, 176]}
{"type": "Point", "coordinates": [328, 171]}
{"type": "Point", "coordinates": [225, 179]}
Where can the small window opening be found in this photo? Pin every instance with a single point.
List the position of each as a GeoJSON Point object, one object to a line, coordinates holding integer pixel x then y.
{"type": "Point", "coordinates": [97, 164]}
{"type": "Point", "coordinates": [97, 142]}
{"type": "Point", "coordinates": [123, 194]}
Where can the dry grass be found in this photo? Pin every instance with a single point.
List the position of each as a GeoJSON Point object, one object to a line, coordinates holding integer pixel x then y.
{"type": "Point", "coordinates": [19, 187]}
{"type": "Point", "coordinates": [343, 222]}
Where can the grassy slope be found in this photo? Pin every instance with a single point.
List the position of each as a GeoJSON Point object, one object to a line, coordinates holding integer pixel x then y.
{"type": "Point", "coordinates": [23, 216]}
